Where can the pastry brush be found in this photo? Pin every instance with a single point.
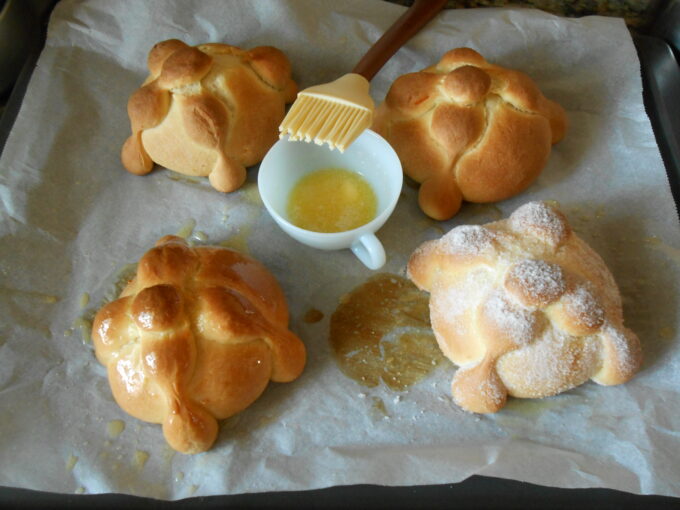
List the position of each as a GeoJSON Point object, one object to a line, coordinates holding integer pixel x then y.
{"type": "Point", "coordinates": [336, 113]}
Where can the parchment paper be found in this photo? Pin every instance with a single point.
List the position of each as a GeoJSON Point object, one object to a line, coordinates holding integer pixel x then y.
{"type": "Point", "coordinates": [72, 217]}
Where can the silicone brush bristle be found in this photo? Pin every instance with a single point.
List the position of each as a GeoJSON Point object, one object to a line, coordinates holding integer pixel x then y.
{"type": "Point", "coordinates": [325, 121]}
{"type": "Point", "coordinates": [334, 113]}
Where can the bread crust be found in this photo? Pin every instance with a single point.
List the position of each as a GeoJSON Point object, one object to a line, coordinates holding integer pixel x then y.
{"type": "Point", "coordinates": [194, 338]}
{"type": "Point", "coordinates": [475, 129]}
{"type": "Point", "coordinates": [208, 110]}
{"type": "Point", "coordinates": [525, 308]}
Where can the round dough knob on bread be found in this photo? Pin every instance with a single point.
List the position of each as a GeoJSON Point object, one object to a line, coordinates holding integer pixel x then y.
{"type": "Point", "coordinates": [195, 337]}
{"type": "Point", "coordinates": [525, 308]}
{"type": "Point", "coordinates": [468, 130]}
{"type": "Point", "coordinates": [208, 110]}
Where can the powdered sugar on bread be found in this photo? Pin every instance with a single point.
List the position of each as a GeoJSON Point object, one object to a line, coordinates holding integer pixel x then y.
{"type": "Point", "coordinates": [526, 306]}
{"type": "Point", "coordinates": [467, 240]}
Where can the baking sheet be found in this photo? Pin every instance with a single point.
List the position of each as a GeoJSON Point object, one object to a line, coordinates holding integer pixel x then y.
{"type": "Point", "coordinates": [72, 219]}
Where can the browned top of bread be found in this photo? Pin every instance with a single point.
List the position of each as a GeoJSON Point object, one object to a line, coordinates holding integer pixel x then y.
{"type": "Point", "coordinates": [468, 129]}
{"type": "Point", "coordinates": [525, 307]}
{"type": "Point", "coordinates": [211, 109]}
{"type": "Point", "coordinates": [195, 337]}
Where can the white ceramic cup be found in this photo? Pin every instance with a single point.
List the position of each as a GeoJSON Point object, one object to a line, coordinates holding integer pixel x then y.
{"type": "Point", "coordinates": [369, 155]}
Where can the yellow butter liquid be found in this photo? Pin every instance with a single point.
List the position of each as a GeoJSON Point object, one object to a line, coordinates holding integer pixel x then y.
{"type": "Point", "coordinates": [331, 200]}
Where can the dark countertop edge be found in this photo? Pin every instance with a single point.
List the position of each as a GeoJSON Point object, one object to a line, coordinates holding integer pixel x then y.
{"type": "Point", "coordinates": [477, 492]}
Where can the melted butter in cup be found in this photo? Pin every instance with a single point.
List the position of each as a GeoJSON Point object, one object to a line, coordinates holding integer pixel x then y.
{"type": "Point", "coordinates": [370, 157]}
{"type": "Point", "coordinates": [331, 200]}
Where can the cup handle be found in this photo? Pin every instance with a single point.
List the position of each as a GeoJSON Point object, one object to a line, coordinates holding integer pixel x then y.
{"type": "Point", "coordinates": [369, 251]}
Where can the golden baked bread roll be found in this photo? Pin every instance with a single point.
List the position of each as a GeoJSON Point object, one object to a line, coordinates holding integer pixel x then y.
{"type": "Point", "coordinates": [211, 109]}
{"type": "Point", "coordinates": [468, 130]}
{"type": "Point", "coordinates": [525, 308]}
{"type": "Point", "coordinates": [195, 337]}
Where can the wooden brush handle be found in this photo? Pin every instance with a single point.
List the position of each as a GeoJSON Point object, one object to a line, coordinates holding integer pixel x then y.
{"type": "Point", "coordinates": [408, 24]}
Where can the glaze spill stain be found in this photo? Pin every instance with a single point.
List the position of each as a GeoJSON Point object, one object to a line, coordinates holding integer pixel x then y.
{"type": "Point", "coordinates": [83, 325]}
{"type": "Point", "coordinates": [381, 332]}
{"type": "Point", "coordinates": [586, 214]}
{"type": "Point", "coordinates": [534, 408]}
{"type": "Point", "coordinates": [242, 428]}
{"type": "Point", "coordinates": [251, 194]}
{"type": "Point", "coordinates": [667, 333]}
{"type": "Point", "coordinates": [201, 236]}
{"type": "Point", "coordinates": [670, 251]}
{"type": "Point", "coordinates": [41, 296]}
{"type": "Point", "coordinates": [123, 277]}
{"type": "Point", "coordinates": [71, 462]}
{"type": "Point", "coordinates": [379, 408]}
{"type": "Point", "coordinates": [114, 428]}
{"type": "Point", "coordinates": [140, 459]}
{"type": "Point", "coordinates": [187, 229]}
{"type": "Point", "coordinates": [239, 240]}
{"type": "Point", "coordinates": [185, 178]}
{"type": "Point", "coordinates": [312, 316]}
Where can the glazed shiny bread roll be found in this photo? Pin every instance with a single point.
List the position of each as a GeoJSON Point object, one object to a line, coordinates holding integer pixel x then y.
{"type": "Point", "coordinates": [208, 110]}
{"type": "Point", "coordinates": [195, 337]}
{"type": "Point", "coordinates": [525, 308]}
{"type": "Point", "coordinates": [469, 130]}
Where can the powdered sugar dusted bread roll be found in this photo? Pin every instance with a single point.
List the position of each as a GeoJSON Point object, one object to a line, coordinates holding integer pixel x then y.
{"type": "Point", "coordinates": [525, 308]}
{"type": "Point", "coordinates": [209, 110]}
{"type": "Point", "coordinates": [195, 337]}
{"type": "Point", "coordinates": [469, 130]}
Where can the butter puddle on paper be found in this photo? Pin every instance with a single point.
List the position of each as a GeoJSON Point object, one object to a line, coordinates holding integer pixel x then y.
{"type": "Point", "coordinates": [140, 459]}
{"type": "Point", "coordinates": [251, 194]}
{"type": "Point", "coordinates": [83, 323]}
{"type": "Point", "coordinates": [186, 229]}
{"type": "Point", "coordinates": [670, 251]}
{"type": "Point", "coordinates": [84, 300]}
{"type": "Point", "coordinates": [239, 240]}
{"type": "Point", "coordinates": [41, 296]}
{"type": "Point", "coordinates": [331, 200]}
{"type": "Point", "coordinates": [115, 428]}
{"type": "Point", "coordinates": [71, 462]}
{"type": "Point", "coordinates": [381, 332]}
{"type": "Point", "coordinates": [313, 316]}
